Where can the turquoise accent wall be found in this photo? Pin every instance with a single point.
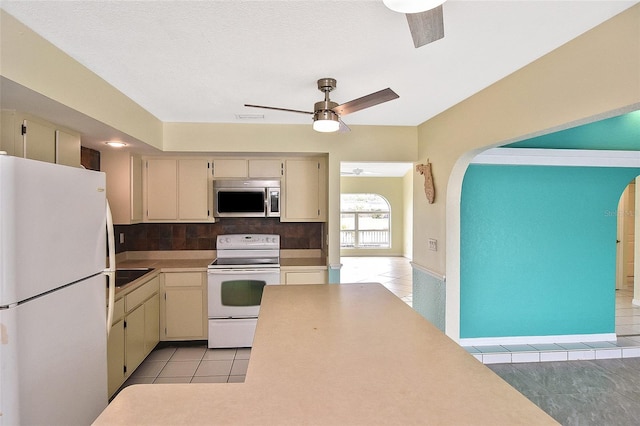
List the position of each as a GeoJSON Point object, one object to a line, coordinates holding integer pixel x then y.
{"type": "Point", "coordinates": [619, 133]}
{"type": "Point", "coordinates": [429, 297]}
{"type": "Point", "coordinates": [334, 276]}
{"type": "Point", "coordinates": [538, 250]}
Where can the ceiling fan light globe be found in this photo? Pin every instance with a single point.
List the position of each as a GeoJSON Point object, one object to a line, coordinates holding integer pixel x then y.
{"type": "Point", "coordinates": [326, 121]}
{"type": "Point", "coordinates": [412, 6]}
{"type": "Point", "coordinates": [326, 125]}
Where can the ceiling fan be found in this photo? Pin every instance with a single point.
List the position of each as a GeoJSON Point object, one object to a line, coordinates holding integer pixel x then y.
{"type": "Point", "coordinates": [357, 172]}
{"type": "Point", "coordinates": [326, 114]}
{"type": "Point", "coordinates": [424, 17]}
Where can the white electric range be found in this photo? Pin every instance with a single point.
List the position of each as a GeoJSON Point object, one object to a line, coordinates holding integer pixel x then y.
{"type": "Point", "coordinates": [245, 263]}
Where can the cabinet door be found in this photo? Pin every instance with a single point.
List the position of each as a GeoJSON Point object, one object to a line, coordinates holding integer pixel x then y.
{"type": "Point", "coordinates": [135, 198]}
{"type": "Point", "coordinates": [124, 185]}
{"type": "Point", "coordinates": [10, 133]}
{"type": "Point", "coordinates": [306, 179]}
{"type": "Point", "coordinates": [151, 323]}
{"type": "Point", "coordinates": [305, 277]}
{"type": "Point", "coordinates": [134, 339]}
{"type": "Point", "coordinates": [265, 168]}
{"type": "Point", "coordinates": [115, 357]}
{"type": "Point", "coordinates": [183, 314]}
{"type": "Point", "coordinates": [193, 189]}
{"type": "Point", "coordinates": [39, 141]}
{"type": "Point", "coordinates": [183, 309]}
{"type": "Point", "coordinates": [162, 189]}
{"type": "Point", "coordinates": [67, 149]}
{"type": "Point", "coordinates": [230, 168]}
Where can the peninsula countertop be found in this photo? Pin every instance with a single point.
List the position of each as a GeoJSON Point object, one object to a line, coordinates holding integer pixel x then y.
{"type": "Point", "coordinates": [349, 354]}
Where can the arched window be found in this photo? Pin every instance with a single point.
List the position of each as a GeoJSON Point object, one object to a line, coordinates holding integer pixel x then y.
{"type": "Point", "coordinates": [364, 221]}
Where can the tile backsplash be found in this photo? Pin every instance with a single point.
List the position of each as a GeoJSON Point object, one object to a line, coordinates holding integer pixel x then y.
{"type": "Point", "coordinates": [202, 236]}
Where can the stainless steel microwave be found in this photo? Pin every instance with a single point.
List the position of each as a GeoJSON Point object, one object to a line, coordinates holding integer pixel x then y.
{"type": "Point", "coordinates": [246, 198]}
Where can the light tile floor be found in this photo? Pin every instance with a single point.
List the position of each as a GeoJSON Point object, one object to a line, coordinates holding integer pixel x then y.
{"type": "Point", "coordinates": [392, 272]}
{"type": "Point", "coordinates": [627, 314]}
{"type": "Point", "coordinates": [192, 364]}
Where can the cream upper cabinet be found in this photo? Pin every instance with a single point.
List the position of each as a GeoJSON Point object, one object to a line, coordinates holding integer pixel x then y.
{"type": "Point", "coordinates": [266, 168]}
{"type": "Point", "coordinates": [193, 189]}
{"type": "Point", "coordinates": [177, 190]}
{"type": "Point", "coordinates": [37, 139]}
{"type": "Point", "coordinates": [124, 185]}
{"type": "Point", "coordinates": [161, 186]}
{"type": "Point", "coordinates": [230, 168]}
{"type": "Point", "coordinates": [252, 168]}
{"type": "Point", "coordinates": [305, 190]}
{"type": "Point", "coordinates": [67, 148]}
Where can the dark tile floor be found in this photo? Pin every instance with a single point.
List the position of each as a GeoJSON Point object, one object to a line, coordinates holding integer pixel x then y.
{"type": "Point", "coordinates": [598, 392]}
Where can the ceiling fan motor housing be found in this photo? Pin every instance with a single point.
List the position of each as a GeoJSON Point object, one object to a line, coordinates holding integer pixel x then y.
{"type": "Point", "coordinates": [326, 84]}
{"type": "Point", "coordinates": [324, 111]}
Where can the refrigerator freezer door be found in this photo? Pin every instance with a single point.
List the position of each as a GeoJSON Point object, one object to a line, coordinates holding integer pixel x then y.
{"type": "Point", "coordinates": [52, 227]}
{"type": "Point", "coordinates": [53, 357]}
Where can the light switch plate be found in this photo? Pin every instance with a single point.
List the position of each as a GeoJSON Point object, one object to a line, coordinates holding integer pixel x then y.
{"type": "Point", "coordinates": [433, 244]}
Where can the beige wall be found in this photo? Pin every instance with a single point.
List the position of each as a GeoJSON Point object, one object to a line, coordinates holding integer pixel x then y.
{"type": "Point", "coordinates": [392, 189]}
{"type": "Point", "coordinates": [593, 76]}
{"type": "Point", "coordinates": [407, 188]}
{"type": "Point", "coordinates": [68, 83]}
{"type": "Point", "coordinates": [33, 62]}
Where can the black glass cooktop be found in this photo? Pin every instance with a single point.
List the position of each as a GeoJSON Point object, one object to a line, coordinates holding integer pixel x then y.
{"type": "Point", "coordinates": [125, 276]}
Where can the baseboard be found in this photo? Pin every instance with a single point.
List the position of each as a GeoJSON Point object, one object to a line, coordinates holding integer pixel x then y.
{"type": "Point", "coordinates": [529, 340]}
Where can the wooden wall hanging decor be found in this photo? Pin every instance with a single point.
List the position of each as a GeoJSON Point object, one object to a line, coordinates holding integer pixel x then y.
{"type": "Point", "coordinates": [429, 189]}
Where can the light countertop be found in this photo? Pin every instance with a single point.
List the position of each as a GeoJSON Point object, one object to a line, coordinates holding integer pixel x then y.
{"type": "Point", "coordinates": [349, 354]}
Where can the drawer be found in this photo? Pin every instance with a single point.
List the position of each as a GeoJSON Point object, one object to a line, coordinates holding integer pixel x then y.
{"type": "Point", "coordinates": [183, 279]}
{"type": "Point", "coordinates": [142, 293]}
{"type": "Point", "coordinates": [305, 277]}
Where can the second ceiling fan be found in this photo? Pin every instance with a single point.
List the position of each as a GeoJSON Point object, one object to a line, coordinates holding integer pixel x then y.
{"type": "Point", "coordinates": [326, 113]}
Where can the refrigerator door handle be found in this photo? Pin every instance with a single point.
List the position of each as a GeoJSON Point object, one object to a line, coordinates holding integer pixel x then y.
{"type": "Point", "coordinates": [111, 270]}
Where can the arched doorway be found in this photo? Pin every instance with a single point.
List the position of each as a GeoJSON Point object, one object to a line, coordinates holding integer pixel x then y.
{"type": "Point", "coordinates": [572, 207]}
{"type": "Point", "coordinates": [627, 314]}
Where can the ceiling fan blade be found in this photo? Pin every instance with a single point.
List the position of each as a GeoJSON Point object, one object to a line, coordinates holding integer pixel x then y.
{"type": "Point", "coordinates": [366, 102]}
{"type": "Point", "coordinates": [343, 127]}
{"type": "Point", "coordinates": [279, 109]}
{"type": "Point", "coordinates": [426, 27]}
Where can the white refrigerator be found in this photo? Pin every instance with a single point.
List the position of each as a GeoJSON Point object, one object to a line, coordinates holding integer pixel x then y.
{"type": "Point", "coordinates": [53, 339]}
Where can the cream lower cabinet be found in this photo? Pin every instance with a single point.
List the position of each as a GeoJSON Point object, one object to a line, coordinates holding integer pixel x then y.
{"type": "Point", "coordinates": [183, 309]}
{"type": "Point", "coordinates": [115, 350]}
{"type": "Point", "coordinates": [311, 276]}
{"type": "Point", "coordinates": [134, 333]}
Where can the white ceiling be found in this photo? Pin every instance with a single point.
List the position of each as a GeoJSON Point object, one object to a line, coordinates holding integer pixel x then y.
{"type": "Point", "coordinates": [200, 61]}
{"type": "Point", "coordinates": [374, 169]}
